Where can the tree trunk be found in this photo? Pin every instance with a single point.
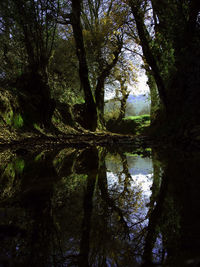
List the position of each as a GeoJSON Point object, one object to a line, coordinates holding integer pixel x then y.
{"type": "Point", "coordinates": [123, 101]}
{"type": "Point", "coordinates": [35, 99]}
{"type": "Point", "coordinates": [155, 101]}
{"type": "Point", "coordinates": [177, 77]}
{"type": "Point", "coordinates": [99, 91]}
{"type": "Point", "coordinates": [34, 81]}
{"type": "Point", "coordinates": [83, 67]}
{"type": "Point", "coordinates": [90, 161]}
{"type": "Point", "coordinates": [150, 58]}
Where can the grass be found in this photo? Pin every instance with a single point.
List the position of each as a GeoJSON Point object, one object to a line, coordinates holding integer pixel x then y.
{"type": "Point", "coordinates": [131, 125]}
{"type": "Point", "coordinates": [143, 118]}
{"type": "Point", "coordinates": [136, 124]}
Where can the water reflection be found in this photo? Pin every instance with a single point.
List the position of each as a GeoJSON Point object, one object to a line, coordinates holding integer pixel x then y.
{"type": "Point", "coordinates": [97, 207]}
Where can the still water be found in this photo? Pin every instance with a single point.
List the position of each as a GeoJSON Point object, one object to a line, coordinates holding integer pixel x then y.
{"type": "Point", "coordinates": [99, 207]}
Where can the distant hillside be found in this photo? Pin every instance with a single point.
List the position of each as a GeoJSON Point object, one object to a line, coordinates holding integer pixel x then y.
{"type": "Point", "coordinates": [136, 105]}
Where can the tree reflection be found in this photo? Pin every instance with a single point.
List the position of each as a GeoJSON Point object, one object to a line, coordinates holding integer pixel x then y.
{"type": "Point", "coordinates": [154, 215]}
{"type": "Point", "coordinates": [90, 163]}
{"type": "Point", "coordinates": [74, 208]}
{"type": "Point", "coordinates": [65, 212]}
{"type": "Point", "coordinates": [114, 227]}
{"type": "Point", "coordinates": [28, 211]}
{"type": "Point", "coordinates": [173, 233]}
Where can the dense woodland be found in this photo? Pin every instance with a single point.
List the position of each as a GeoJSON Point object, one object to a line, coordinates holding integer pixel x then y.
{"type": "Point", "coordinates": [58, 57]}
{"type": "Point", "coordinates": [81, 187]}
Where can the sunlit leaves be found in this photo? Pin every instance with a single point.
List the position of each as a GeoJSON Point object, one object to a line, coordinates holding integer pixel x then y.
{"type": "Point", "coordinates": [103, 30]}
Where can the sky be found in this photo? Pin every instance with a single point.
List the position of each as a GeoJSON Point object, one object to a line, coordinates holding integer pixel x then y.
{"type": "Point", "coordinates": [141, 171]}
{"type": "Point", "coordinates": [141, 88]}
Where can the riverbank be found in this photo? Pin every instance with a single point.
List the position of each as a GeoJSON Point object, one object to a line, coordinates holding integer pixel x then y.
{"type": "Point", "coordinates": [37, 139]}
{"type": "Point", "coordinates": [33, 140]}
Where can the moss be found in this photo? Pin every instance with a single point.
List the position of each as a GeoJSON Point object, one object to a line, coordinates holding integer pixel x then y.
{"type": "Point", "coordinates": [139, 152]}
{"type": "Point", "coordinates": [10, 170]}
{"type": "Point", "coordinates": [40, 156]}
{"type": "Point", "coordinates": [18, 121]}
{"type": "Point", "coordinates": [131, 154]}
{"type": "Point", "coordinates": [36, 126]}
{"type": "Point", "coordinates": [19, 165]}
{"type": "Point", "coordinates": [10, 109]}
{"type": "Point", "coordinates": [148, 149]}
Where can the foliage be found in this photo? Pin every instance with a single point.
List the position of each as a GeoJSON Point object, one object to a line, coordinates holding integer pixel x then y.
{"type": "Point", "coordinates": [46, 61]}
{"type": "Point", "coordinates": [71, 51]}
{"type": "Point", "coordinates": [112, 111]}
{"type": "Point", "coordinates": [63, 71]}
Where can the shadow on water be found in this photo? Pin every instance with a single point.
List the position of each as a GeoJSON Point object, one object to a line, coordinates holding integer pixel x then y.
{"type": "Point", "coordinates": [99, 207]}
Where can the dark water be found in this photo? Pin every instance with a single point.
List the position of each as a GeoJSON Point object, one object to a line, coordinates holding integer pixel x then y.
{"type": "Point", "coordinates": [99, 207]}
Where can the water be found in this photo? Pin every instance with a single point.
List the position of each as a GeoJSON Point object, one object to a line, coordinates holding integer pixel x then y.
{"type": "Point", "coordinates": [99, 207]}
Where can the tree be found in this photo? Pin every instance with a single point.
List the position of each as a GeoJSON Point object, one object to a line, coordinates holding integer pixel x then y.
{"type": "Point", "coordinates": [124, 74]}
{"type": "Point", "coordinates": [99, 42]}
{"type": "Point", "coordinates": [11, 48]}
{"type": "Point", "coordinates": [32, 23]}
{"type": "Point", "coordinates": [74, 18]}
{"type": "Point", "coordinates": [83, 67]}
{"type": "Point", "coordinates": [104, 42]}
{"type": "Point", "coordinates": [63, 70]}
{"type": "Point", "coordinates": [172, 54]}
